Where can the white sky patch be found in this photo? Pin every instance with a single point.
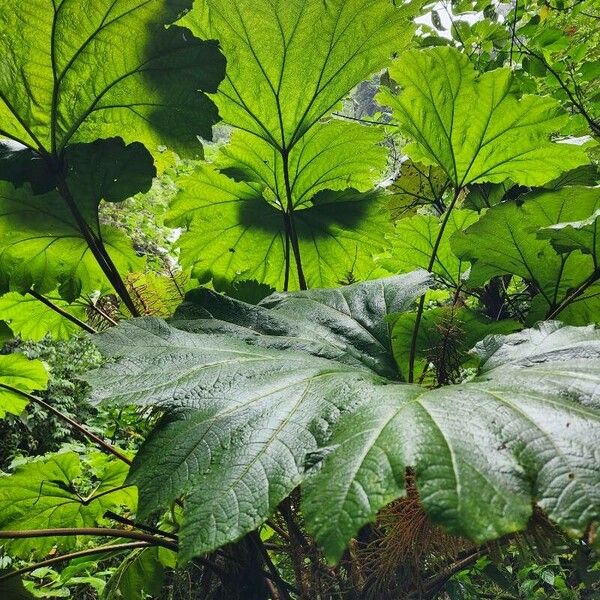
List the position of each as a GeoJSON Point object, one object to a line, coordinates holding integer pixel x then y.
{"type": "Point", "coordinates": [444, 10]}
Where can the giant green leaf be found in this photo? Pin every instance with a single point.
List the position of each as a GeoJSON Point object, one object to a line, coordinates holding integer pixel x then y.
{"type": "Point", "coordinates": [473, 126]}
{"type": "Point", "coordinates": [505, 241]}
{"type": "Point", "coordinates": [347, 324]}
{"type": "Point", "coordinates": [413, 242]}
{"type": "Point", "coordinates": [76, 72]}
{"type": "Point", "coordinates": [17, 371]}
{"type": "Point", "coordinates": [243, 414]}
{"type": "Point", "coordinates": [31, 319]}
{"type": "Point", "coordinates": [46, 493]}
{"type": "Point", "coordinates": [291, 63]}
{"type": "Point", "coordinates": [232, 232]}
{"type": "Point", "coordinates": [523, 431]}
{"type": "Point", "coordinates": [42, 247]}
{"type": "Point", "coordinates": [248, 418]}
{"type": "Point", "coordinates": [108, 170]}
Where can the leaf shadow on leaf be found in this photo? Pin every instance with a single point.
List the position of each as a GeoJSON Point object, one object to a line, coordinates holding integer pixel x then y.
{"type": "Point", "coordinates": [317, 221]}
{"type": "Point", "coordinates": [174, 54]}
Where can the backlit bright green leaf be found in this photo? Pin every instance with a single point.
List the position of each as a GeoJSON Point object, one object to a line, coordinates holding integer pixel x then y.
{"type": "Point", "coordinates": [76, 72]}
{"type": "Point", "coordinates": [30, 319]}
{"type": "Point", "coordinates": [413, 242]}
{"type": "Point", "coordinates": [291, 63]}
{"type": "Point", "coordinates": [506, 241]}
{"type": "Point", "coordinates": [234, 233]}
{"type": "Point", "coordinates": [41, 246]}
{"type": "Point", "coordinates": [17, 371]}
{"type": "Point", "coordinates": [474, 126]}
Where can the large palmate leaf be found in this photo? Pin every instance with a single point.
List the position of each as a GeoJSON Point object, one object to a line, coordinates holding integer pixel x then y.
{"type": "Point", "coordinates": [234, 233]}
{"type": "Point", "coordinates": [506, 241]}
{"type": "Point", "coordinates": [250, 408]}
{"type": "Point", "coordinates": [77, 72]}
{"type": "Point", "coordinates": [474, 126]}
{"type": "Point", "coordinates": [348, 324]}
{"type": "Point", "coordinates": [243, 414]}
{"type": "Point", "coordinates": [42, 247]}
{"type": "Point", "coordinates": [414, 240]}
{"type": "Point", "coordinates": [290, 65]}
{"type": "Point", "coordinates": [46, 493]}
{"type": "Point", "coordinates": [17, 371]}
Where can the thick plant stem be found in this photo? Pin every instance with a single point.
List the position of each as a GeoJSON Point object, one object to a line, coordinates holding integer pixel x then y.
{"type": "Point", "coordinates": [77, 426]}
{"type": "Point", "coordinates": [286, 226]}
{"type": "Point", "coordinates": [61, 312]}
{"type": "Point", "coordinates": [421, 307]}
{"type": "Point", "coordinates": [79, 554]}
{"type": "Point", "coordinates": [97, 248]}
{"type": "Point", "coordinates": [109, 514]}
{"type": "Point", "coordinates": [296, 249]}
{"type": "Point", "coordinates": [289, 216]}
{"type": "Point", "coordinates": [281, 591]}
{"type": "Point", "coordinates": [92, 531]}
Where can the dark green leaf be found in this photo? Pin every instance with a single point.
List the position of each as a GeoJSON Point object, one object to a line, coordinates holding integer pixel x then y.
{"type": "Point", "coordinates": [239, 460]}
{"type": "Point", "coordinates": [245, 410]}
{"type": "Point", "coordinates": [108, 170]}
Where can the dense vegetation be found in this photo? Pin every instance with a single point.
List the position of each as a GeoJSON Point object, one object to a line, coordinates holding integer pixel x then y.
{"type": "Point", "coordinates": [298, 299]}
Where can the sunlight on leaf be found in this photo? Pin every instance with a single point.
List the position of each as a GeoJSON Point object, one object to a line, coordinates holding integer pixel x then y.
{"type": "Point", "coordinates": [473, 125]}
{"type": "Point", "coordinates": [17, 371]}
